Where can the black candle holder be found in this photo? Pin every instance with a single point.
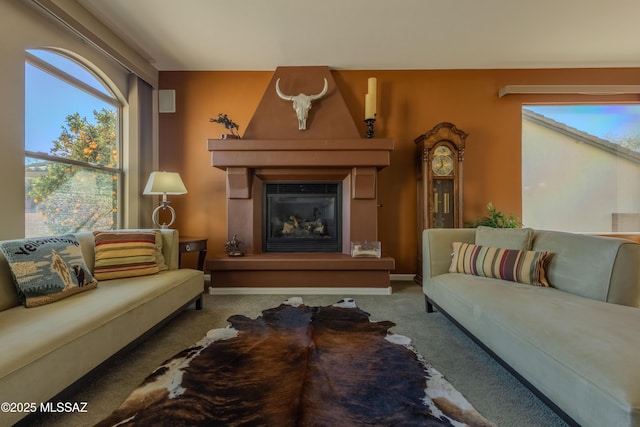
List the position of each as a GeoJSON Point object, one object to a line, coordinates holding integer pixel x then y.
{"type": "Point", "coordinates": [370, 130]}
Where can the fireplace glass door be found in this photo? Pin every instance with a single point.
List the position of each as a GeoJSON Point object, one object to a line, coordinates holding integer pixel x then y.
{"type": "Point", "coordinates": [302, 217]}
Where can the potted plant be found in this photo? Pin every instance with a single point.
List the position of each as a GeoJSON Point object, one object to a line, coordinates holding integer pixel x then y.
{"type": "Point", "coordinates": [496, 219]}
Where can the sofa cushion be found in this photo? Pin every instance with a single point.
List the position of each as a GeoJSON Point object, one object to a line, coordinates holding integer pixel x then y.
{"type": "Point", "coordinates": [581, 353]}
{"type": "Point", "coordinates": [601, 268]}
{"type": "Point", "coordinates": [50, 347]}
{"type": "Point", "coordinates": [507, 238]}
{"type": "Point", "coordinates": [162, 265]}
{"type": "Point", "coordinates": [46, 269]}
{"type": "Point", "coordinates": [121, 254]}
{"type": "Point", "coordinates": [526, 267]}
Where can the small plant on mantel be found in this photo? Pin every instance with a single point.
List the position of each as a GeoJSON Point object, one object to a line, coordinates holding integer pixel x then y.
{"type": "Point", "coordinates": [228, 124]}
{"type": "Point", "coordinates": [496, 219]}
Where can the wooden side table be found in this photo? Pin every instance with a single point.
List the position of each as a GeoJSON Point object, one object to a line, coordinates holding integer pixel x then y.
{"type": "Point", "coordinates": [193, 244]}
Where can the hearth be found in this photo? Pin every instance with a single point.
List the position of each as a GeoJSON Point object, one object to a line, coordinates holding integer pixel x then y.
{"type": "Point", "coordinates": [302, 217]}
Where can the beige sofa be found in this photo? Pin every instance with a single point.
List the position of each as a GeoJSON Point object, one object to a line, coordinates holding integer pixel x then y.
{"type": "Point", "coordinates": [576, 343]}
{"type": "Point", "coordinates": [45, 349]}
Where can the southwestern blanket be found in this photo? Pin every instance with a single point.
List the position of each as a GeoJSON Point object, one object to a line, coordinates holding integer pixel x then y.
{"type": "Point", "coordinates": [298, 366]}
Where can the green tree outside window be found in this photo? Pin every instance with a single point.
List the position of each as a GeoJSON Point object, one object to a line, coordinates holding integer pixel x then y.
{"type": "Point", "coordinates": [72, 197]}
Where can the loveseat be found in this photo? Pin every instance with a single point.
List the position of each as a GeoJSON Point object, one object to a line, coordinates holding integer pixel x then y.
{"type": "Point", "coordinates": [46, 348]}
{"type": "Point", "coordinates": [575, 342]}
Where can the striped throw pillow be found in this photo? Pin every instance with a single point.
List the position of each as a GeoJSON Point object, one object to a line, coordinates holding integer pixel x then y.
{"type": "Point", "coordinates": [125, 254]}
{"type": "Point", "coordinates": [508, 264]}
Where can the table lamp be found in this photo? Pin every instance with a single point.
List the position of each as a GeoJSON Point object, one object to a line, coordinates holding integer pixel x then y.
{"type": "Point", "coordinates": [164, 183]}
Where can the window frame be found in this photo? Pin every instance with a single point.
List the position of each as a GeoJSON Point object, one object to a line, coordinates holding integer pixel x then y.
{"type": "Point", "coordinates": [112, 100]}
{"type": "Point", "coordinates": [620, 156]}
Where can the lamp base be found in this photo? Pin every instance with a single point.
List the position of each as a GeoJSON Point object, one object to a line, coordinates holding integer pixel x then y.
{"type": "Point", "coordinates": [155, 216]}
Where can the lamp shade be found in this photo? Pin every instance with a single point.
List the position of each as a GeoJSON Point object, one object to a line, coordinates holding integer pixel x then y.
{"type": "Point", "coordinates": [164, 183]}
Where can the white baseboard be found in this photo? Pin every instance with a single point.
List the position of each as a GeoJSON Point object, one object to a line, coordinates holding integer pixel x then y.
{"type": "Point", "coordinates": [300, 291]}
{"type": "Point", "coordinates": [308, 291]}
{"type": "Point", "coordinates": [395, 277]}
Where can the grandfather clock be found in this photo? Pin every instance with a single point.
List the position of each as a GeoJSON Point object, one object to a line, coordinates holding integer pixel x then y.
{"type": "Point", "coordinates": [440, 154]}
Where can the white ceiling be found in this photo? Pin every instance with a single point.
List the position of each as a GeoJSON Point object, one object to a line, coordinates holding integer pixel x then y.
{"type": "Point", "coordinates": [376, 34]}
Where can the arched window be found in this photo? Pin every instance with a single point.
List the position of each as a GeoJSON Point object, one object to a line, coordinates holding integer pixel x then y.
{"type": "Point", "coordinates": [73, 172]}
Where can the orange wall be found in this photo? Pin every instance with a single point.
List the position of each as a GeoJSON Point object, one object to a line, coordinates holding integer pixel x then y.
{"type": "Point", "coordinates": [410, 103]}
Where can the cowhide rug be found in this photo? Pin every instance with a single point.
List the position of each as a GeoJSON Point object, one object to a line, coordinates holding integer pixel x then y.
{"type": "Point", "coordinates": [298, 366]}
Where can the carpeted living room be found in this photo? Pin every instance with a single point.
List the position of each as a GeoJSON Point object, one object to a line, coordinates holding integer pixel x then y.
{"type": "Point", "coordinates": [319, 214]}
{"type": "Point", "coordinates": [496, 394]}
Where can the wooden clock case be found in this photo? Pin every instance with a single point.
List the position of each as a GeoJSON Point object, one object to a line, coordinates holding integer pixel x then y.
{"type": "Point", "coordinates": [439, 186]}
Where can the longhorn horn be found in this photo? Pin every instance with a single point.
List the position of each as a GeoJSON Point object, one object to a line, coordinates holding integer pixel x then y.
{"type": "Point", "coordinates": [324, 91]}
{"type": "Point", "coordinates": [280, 94]}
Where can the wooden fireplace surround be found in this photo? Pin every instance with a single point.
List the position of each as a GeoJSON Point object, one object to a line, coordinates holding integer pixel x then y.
{"type": "Point", "coordinates": [337, 154]}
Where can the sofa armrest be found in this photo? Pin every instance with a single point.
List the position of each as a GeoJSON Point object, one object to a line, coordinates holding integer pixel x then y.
{"type": "Point", "coordinates": [170, 247]}
{"type": "Point", "coordinates": [624, 287]}
{"type": "Point", "coordinates": [437, 249]}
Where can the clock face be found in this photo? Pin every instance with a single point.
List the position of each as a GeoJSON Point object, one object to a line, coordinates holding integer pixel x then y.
{"type": "Point", "coordinates": [442, 163]}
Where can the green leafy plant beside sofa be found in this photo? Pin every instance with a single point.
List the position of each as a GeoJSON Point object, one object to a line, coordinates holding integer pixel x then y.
{"type": "Point", "coordinates": [496, 219]}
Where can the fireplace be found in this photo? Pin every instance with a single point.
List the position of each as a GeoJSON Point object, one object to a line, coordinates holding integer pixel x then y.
{"type": "Point", "coordinates": [302, 217]}
{"type": "Point", "coordinates": [297, 199]}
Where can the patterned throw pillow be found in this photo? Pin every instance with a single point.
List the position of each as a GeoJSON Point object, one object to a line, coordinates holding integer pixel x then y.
{"type": "Point", "coordinates": [125, 254]}
{"type": "Point", "coordinates": [46, 269]}
{"type": "Point", "coordinates": [508, 264]}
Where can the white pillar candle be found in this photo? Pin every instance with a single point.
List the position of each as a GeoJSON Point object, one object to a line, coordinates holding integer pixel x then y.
{"type": "Point", "coordinates": [371, 98]}
{"type": "Point", "coordinates": [372, 86]}
{"type": "Point", "coordinates": [369, 110]}
{"type": "Point", "coordinates": [373, 93]}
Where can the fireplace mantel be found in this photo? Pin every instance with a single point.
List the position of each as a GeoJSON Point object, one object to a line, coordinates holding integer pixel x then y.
{"type": "Point", "coordinates": [242, 159]}
{"type": "Point", "coordinates": [227, 153]}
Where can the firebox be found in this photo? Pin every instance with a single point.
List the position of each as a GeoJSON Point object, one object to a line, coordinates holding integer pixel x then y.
{"type": "Point", "coordinates": [302, 217]}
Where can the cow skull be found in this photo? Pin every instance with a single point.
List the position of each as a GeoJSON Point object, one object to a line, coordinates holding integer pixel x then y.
{"type": "Point", "coordinates": [302, 102]}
